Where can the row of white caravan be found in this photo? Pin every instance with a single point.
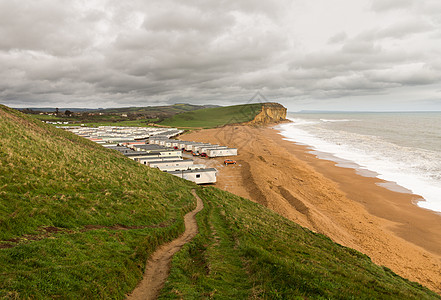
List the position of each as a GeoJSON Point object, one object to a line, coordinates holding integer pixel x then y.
{"type": "Point", "coordinates": [160, 152]}
{"type": "Point", "coordinates": [169, 160]}
{"type": "Point", "coordinates": [116, 133]}
{"type": "Point", "coordinates": [165, 158]}
{"type": "Point", "coordinates": [184, 168]}
{"type": "Point", "coordinates": [197, 148]}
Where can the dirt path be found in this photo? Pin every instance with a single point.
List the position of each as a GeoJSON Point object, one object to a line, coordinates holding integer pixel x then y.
{"type": "Point", "coordinates": [158, 266]}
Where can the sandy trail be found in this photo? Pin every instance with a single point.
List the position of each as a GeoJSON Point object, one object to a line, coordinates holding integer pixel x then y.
{"type": "Point", "coordinates": [158, 266]}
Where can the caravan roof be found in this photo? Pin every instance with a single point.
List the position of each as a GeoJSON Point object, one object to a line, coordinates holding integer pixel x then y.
{"type": "Point", "coordinates": [193, 171]}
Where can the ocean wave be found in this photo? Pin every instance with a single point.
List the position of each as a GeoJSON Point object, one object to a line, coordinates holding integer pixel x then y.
{"type": "Point", "coordinates": [302, 122]}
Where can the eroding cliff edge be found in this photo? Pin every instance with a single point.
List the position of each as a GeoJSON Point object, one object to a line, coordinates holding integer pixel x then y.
{"type": "Point", "coordinates": [269, 114]}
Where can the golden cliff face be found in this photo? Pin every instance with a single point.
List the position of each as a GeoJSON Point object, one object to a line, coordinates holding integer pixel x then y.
{"type": "Point", "coordinates": [270, 113]}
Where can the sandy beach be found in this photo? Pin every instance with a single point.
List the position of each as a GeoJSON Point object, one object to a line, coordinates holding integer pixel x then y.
{"type": "Point", "coordinates": [351, 209]}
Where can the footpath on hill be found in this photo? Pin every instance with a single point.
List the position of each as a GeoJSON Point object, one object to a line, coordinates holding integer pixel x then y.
{"type": "Point", "coordinates": [158, 266]}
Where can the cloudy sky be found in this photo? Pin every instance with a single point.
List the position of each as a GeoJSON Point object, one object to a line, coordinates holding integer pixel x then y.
{"type": "Point", "coordinates": [305, 54]}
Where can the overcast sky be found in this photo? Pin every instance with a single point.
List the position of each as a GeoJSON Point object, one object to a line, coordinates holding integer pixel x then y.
{"type": "Point", "coordinates": [305, 54]}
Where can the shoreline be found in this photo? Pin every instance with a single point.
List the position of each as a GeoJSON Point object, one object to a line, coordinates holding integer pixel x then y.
{"type": "Point", "coordinates": [403, 204]}
{"type": "Point", "coordinates": [351, 209]}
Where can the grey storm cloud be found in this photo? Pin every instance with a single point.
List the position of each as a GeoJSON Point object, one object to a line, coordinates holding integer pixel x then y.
{"type": "Point", "coordinates": [104, 53]}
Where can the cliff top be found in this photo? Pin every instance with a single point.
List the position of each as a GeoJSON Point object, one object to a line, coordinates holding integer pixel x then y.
{"type": "Point", "coordinates": [220, 116]}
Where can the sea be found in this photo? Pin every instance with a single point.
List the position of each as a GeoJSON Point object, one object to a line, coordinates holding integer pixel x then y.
{"type": "Point", "coordinates": [402, 148]}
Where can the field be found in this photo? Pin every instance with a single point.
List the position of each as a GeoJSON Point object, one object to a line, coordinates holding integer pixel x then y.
{"type": "Point", "coordinates": [79, 221]}
{"type": "Point", "coordinates": [214, 117]}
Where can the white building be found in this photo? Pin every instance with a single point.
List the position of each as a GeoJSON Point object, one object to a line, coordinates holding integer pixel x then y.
{"type": "Point", "coordinates": [175, 143]}
{"type": "Point", "coordinates": [168, 143]}
{"type": "Point", "coordinates": [221, 152]}
{"type": "Point", "coordinates": [183, 144]}
{"type": "Point", "coordinates": [206, 148]}
{"type": "Point", "coordinates": [146, 147]}
{"type": "Point", "coordinates": [197, 148]}
{"type": "Point", "coordinates": [171, 152]}
{"type": "Point", "coordinates": [199, 176]}
{"type": "Point", "coordinates": [146, 160]}
{"type": "Point", "coordinates": [180, 168]}
{"type": "Point", "coordinates": [171, 164]}
{"type": "Point", "coordinates": [190, 146]}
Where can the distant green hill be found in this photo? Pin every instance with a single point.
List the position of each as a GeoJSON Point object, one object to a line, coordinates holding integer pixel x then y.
{"type": "Point", "coordinates": [175, 108]}
{"type": "Point", "coordinates": [165, 109]}
{"type": "Point", "coordinates": [123, 116]}
{"type": "Point", "coordinates": [213, 117]}
{"type": "Point", "coordinates": [78, 221]}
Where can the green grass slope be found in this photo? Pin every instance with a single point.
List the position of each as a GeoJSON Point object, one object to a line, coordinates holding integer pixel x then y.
{"type": "Point", "coordinates": [244, 250]}
{"type": "Point", "coordinates": [214, 117]}
{"type": "Point", "coordinates": [168, 109]}
{"type": "Point", "coordinates": [78, 221]}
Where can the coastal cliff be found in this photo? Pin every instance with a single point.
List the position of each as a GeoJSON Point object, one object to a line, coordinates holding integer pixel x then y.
{"type": "Point", "coordinates": [270, 113]}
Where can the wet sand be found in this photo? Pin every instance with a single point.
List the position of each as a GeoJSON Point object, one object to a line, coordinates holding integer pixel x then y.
{"type": "Point", "coordinates": [351, 209]}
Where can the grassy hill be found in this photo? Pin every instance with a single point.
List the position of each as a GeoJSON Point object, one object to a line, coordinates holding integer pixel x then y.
{"type": "Point", "coordinates": [165, 109]}
{"type": "Point", "coordinates": [213, 117]}
{"type": "Point", "coordinates": [79, 221]}
{"type": "Point", "coordinates": [169, 109]}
